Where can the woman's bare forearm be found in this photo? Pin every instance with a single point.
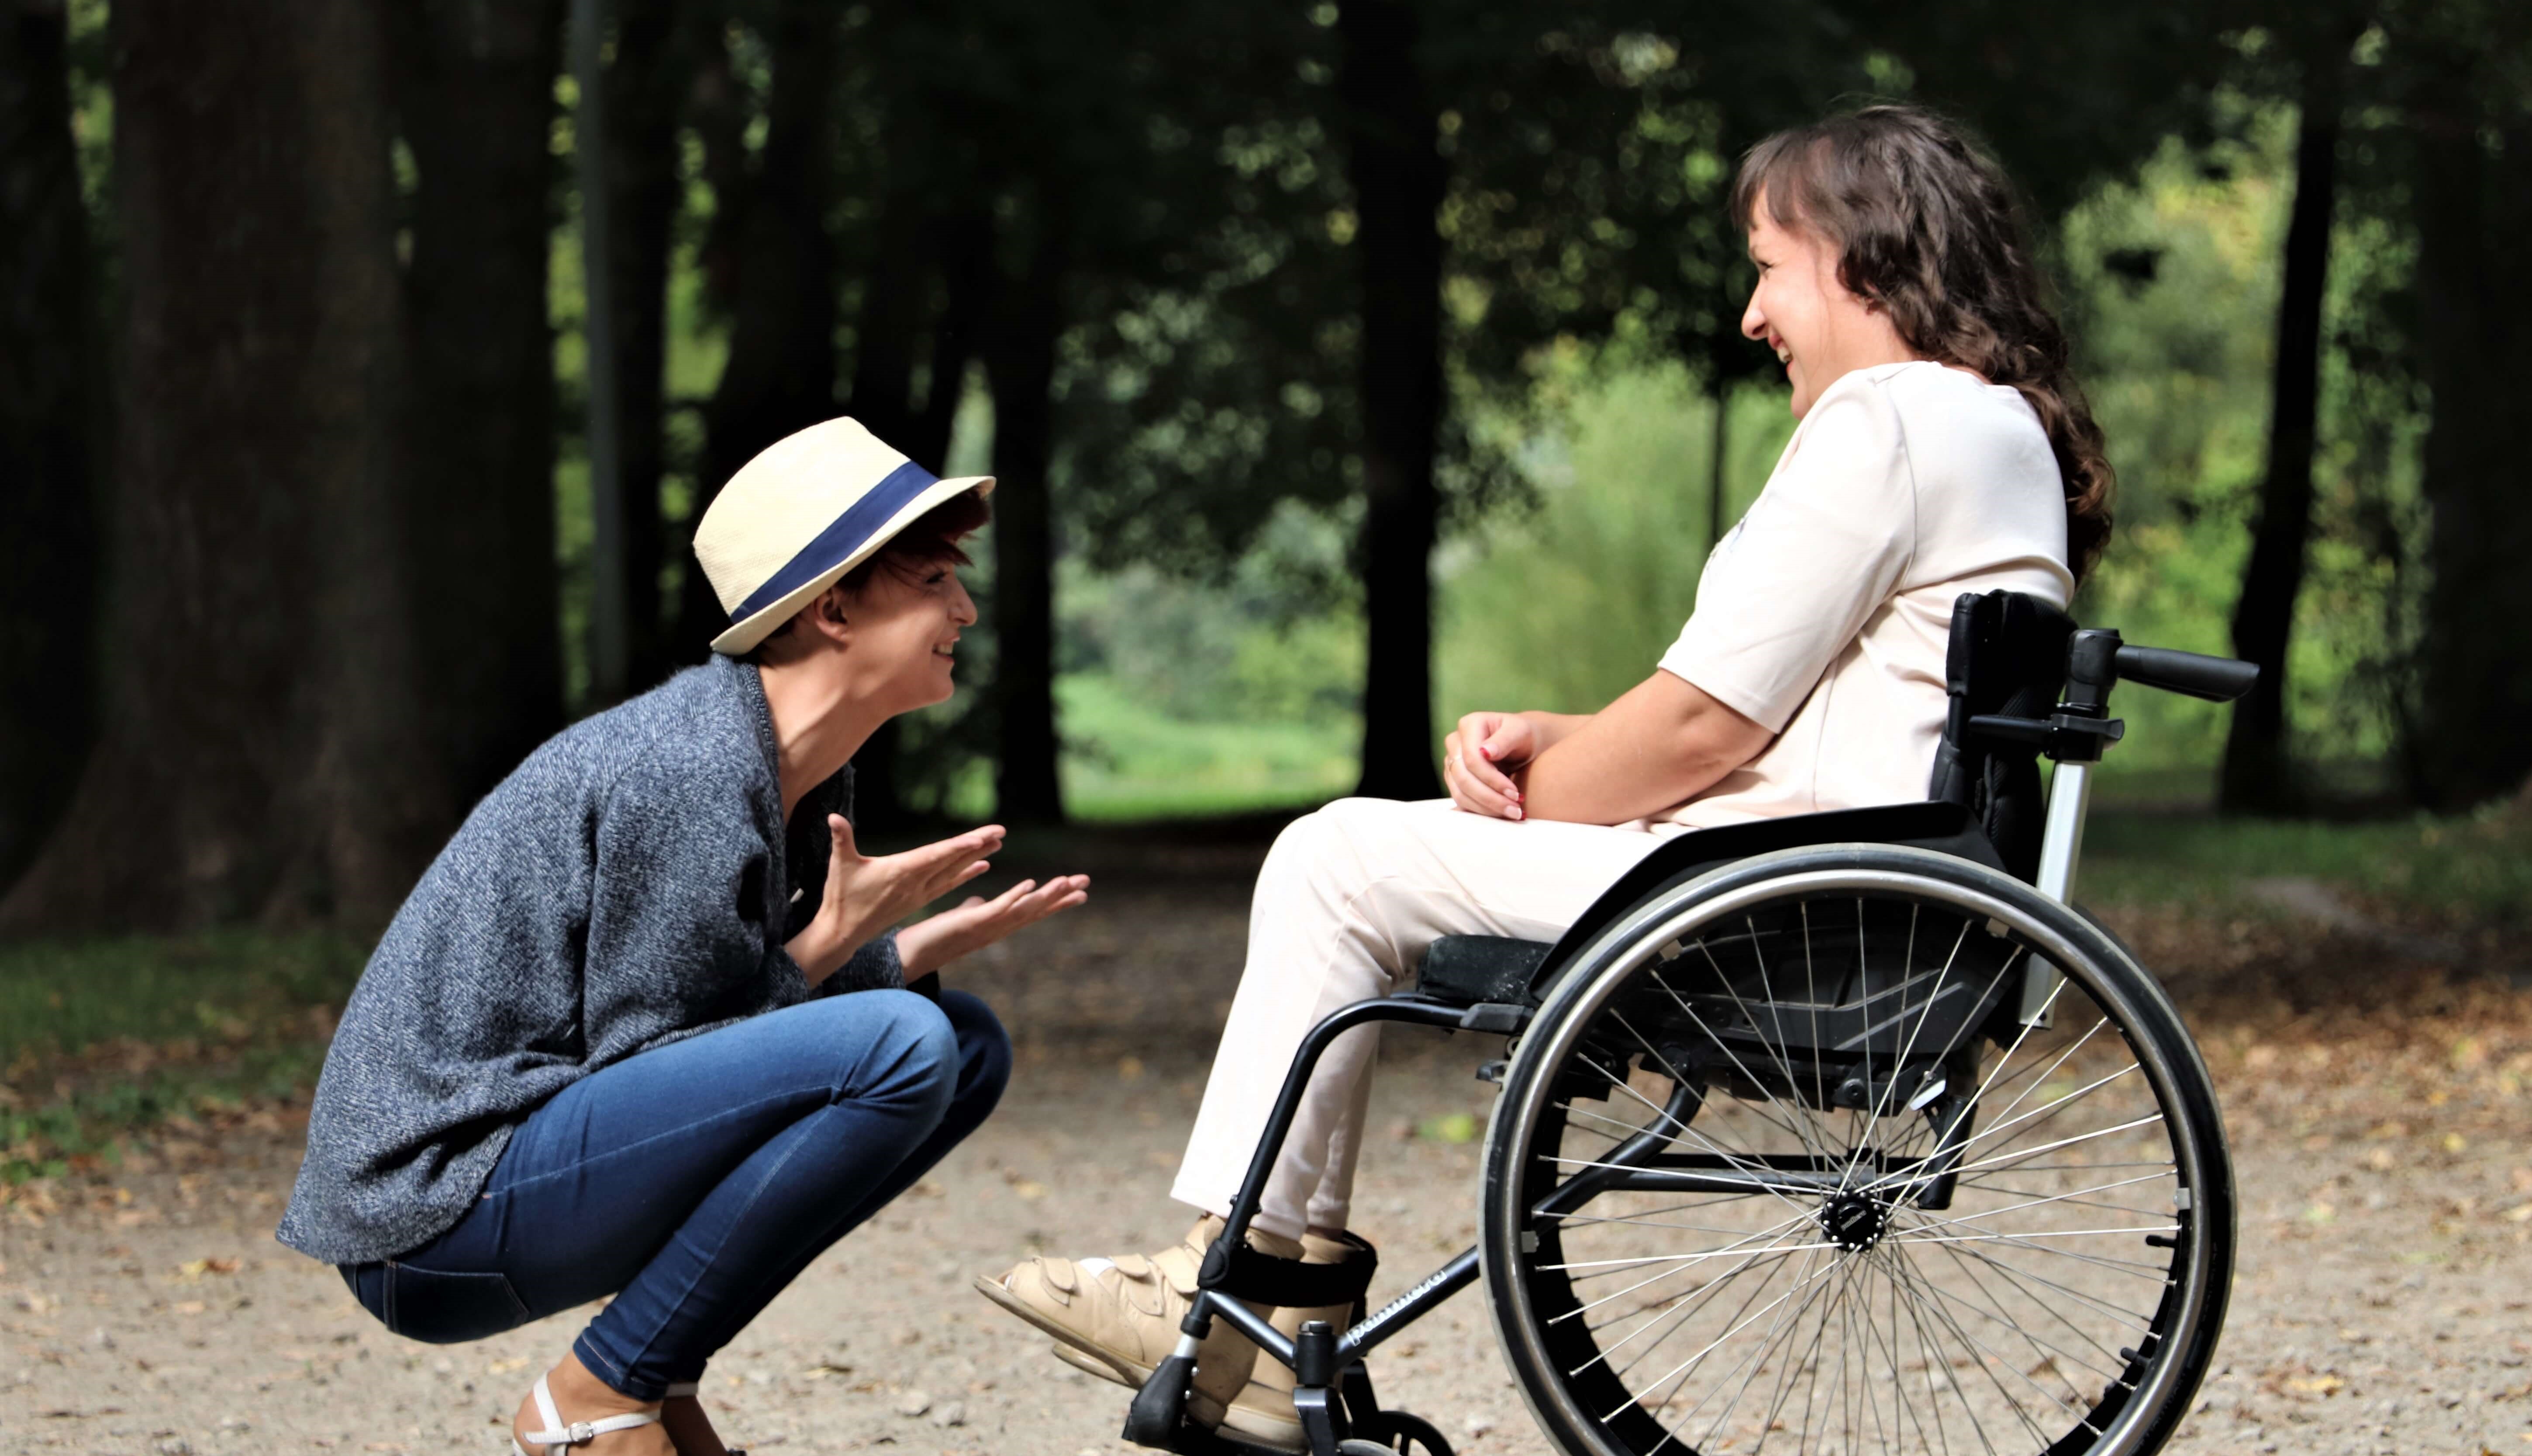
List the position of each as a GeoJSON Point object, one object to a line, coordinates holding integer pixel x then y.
{"type": "Point", "coordinates": [1664, 742]}
{"type": "Point", "coordinates": [1553, 728]}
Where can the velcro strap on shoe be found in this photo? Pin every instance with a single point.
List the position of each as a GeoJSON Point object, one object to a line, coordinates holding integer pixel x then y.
{"type": "Point", "coordinates": [1264, 1279]}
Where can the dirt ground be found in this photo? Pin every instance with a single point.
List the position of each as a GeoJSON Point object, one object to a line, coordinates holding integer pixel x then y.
{"type": "Point", "coordinates": [2377, 1101]}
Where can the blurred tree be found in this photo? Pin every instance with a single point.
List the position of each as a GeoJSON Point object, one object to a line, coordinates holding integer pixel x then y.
{"type": "Point", "coordinates": [649, 77]}
{"type": "Point", "coordinates": [1036, 162]}
{"type": "Point", "coordinates": [1028, 322]}
{"type": "Point", "coordinates": [2258, 772]}
{"type": "Point", "coordinates": [1436, 190]}
{"type": "Point", "coordinates": [2065, 96]}
{"type": "Point", "coordinates": [473, 90]}
{"type": "Point", "coordinates": [261, 700]}
{"type": "Point", "coordinates": [48, 411]}
{"type": "Point", "coordinates": [2466, 73]}
{"type": "Point", "coordinates": [1391, 130]}
{"type": "Point", "coordinates": [781, 281]}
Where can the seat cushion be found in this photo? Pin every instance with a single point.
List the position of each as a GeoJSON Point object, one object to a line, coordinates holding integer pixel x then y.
{"type": "Point", "coordinates": [1465, 970]}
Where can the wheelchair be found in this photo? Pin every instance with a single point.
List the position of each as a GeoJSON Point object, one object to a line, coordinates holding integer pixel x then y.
{"type": "Point", "coordinates": [1839, 1133]}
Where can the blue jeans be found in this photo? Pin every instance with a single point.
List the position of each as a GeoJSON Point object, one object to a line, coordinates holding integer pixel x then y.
{"type": "Point", "coordinates": [697, 1179]}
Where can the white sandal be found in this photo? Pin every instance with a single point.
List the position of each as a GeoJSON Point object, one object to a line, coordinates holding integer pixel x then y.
{"type": "Point", "coordinates": [557, 1434]}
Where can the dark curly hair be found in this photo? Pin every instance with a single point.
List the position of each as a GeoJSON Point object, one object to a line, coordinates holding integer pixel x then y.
{"type": "Point", "coordinates": [1927, 225]}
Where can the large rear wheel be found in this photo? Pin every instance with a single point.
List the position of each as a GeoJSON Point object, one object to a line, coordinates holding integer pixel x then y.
{"type": "Point", "coordinates": [1786, 1160]}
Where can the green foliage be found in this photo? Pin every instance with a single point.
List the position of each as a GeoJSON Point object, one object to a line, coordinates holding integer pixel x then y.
{"type": "Point", "coordinates": [2172, 281]}
{"type": "Point", "coordinates": [1567, 605]}
{"type": "Point", "coordinates": [1280, 639]}
{"type": "Point", "coordinates": [1193, 697]}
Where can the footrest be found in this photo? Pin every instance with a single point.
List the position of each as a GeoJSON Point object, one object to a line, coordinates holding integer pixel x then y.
{"type": "Point", "coordinates": [1464, 969]}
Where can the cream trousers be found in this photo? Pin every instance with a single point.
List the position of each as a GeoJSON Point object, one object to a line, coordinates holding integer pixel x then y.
{"type": "Point", "coordinates": [1347, 902]}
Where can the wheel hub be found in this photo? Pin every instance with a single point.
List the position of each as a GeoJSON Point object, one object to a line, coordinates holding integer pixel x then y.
{"type": "Point", "coordinates": [1854, 1221]}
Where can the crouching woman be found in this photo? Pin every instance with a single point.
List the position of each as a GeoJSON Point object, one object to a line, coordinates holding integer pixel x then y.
{"type": "Point", "coordinates": [643, 1030]}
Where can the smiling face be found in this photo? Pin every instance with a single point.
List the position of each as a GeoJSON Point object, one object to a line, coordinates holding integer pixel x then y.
{"type": "Point", "coordinates": [901, 632]}
{"type": "Point", "coordinates": [1819, 329]}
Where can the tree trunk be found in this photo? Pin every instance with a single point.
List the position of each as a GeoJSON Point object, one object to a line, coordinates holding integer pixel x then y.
{"type": "Point", "coordinates": [2258, 773]}
{"type": "Point", "coordinates": [608, 652]}
{"type": "Point", "coordinates": [1020, 365]}
{"type": "Point", "coordinates": [48, 398]}
{"type": "Point", "coordinates": [963, 245]}
{"type": "Point", "coordinates": [889, 323]}
{"type": "Point", "coordinates": [961, 252]}
{"type": "Point", "coordinates": [2473, 203]}
{"type": "Point", "coordinates": [781, 375]}
{"type": "Point", "coordinates": [474, 93]}
{"type": "Point", "coordinates": [1398, 175]}
{"type": "Point", "coordinates": [646, 83]}
{"type": "Point", "coordinates": [255, 759]}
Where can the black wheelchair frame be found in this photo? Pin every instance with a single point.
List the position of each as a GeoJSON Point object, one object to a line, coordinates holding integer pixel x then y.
{"type": "Point", "coordinates": [2010, 656]}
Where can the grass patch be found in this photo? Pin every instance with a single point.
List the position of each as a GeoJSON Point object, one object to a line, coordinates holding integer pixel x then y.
{"type": "Point", "coordinates": [1125, 761]}
{"type": "Point", "coordinates": [2474, 870]}
{"type": "Point", "coordinates": [101, 1038]}
{"type": "Point", "coordinates": [61, 998]}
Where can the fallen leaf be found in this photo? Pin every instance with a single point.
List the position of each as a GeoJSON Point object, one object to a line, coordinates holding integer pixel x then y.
{"type": "Point", "coordinates": [1451, 1127]}
{"type": "Point", "coordinates": [2317, 1385]}
{"type": "Point", "coordinates": [823, 1368]}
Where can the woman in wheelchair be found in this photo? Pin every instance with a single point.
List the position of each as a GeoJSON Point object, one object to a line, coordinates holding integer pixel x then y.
{"type": "Point", "coordinates": [604, 1049]}
{"type": "Point", "coordinates": [1942, 449]}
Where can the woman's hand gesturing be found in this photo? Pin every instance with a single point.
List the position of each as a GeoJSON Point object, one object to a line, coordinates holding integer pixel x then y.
{"type": "Point", "coordinates": [928, 945]}
{"type": "Point", "coordinates": [867, 893]}
{"type": "Point", "coordinates": [1480, 757]}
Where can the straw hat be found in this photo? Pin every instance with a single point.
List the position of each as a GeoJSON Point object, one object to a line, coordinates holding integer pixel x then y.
{"type": "Point", "coordinates": [807, 510]}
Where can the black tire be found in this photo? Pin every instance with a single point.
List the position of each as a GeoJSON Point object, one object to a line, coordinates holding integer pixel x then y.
{"type": "Point", "coordinates": [1839, 1197]}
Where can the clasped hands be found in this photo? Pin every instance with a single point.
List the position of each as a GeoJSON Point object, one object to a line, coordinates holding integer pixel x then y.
{"type": "Point", "coordinates": [866, 893]}
{"type": "Point", "coordinates": [1483, 759]}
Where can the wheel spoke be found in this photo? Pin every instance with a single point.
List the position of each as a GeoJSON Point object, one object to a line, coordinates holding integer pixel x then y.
{"type": "Point", "coordinates": [1874, 1121]}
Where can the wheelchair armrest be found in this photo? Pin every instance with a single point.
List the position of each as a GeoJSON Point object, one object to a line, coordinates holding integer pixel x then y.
{"type": "Point", "coordinates": [1464, 969]}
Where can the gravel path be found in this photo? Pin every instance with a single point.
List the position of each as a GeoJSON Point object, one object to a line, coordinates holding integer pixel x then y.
{"type": "Point", "coordinates": [2378, 1112]}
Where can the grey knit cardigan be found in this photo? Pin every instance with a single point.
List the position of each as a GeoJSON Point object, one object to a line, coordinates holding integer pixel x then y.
{"type": "Point", "coordinates": [630, 885]}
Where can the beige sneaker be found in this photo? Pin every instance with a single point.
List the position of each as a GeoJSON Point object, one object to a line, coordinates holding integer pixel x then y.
{"type": "Point", "coordinates": [1263, 1410]}
{"type": "Point", "coordinates": [1118, 1318]}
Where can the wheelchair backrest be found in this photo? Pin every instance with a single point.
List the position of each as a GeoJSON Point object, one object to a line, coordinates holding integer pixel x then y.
{"type": "Point", "coordinates": [2008, 657]}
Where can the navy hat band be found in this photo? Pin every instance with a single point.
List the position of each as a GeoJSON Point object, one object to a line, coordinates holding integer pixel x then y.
{"type": "Point", "coordinates": [847, 534]}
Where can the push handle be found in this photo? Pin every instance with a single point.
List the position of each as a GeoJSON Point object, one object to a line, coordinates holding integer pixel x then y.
{"type": "Point", "coordinates": [2215, 680]}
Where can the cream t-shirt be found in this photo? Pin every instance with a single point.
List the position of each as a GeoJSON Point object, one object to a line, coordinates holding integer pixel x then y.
{"type": "Point", "coordinates": [1825, 613]}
